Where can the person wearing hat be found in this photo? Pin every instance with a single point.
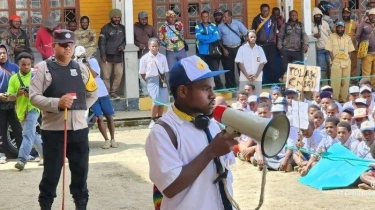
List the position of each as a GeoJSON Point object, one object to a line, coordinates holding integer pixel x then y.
{"type": "Point", "coordinates": [191, 165]}
{"type": "Point", "coordinates": [142, 33]}
{"type": "Point", "coordinates": [86, 37]}
{"type": "Point", "coordinates": [365, 93]}
{"type": "Point", "coordinates": [171, 36]}
{"type": "Point", "coordinates": [50, 93]}
{"type": "Point", "coordinates": [350, 30]}
{"type": "Point", "coordinates": [253, 102]}
{"type": "Point", "coordinates": [16, 38]}
{"type": "Point", "coordinates": [111, 47]}
{"type": "Point", "coordinates": [365, 149]}
{"type": "Point", "coordinates": [340, 46]}
{"type": "Point", "coordinates": [365, 33]}
{"type": "Point", "coordinates": [44, 38]}
{"type": "Point", "coordinates": [102, 108]}
{"type": "Point", "coordinates": [218, 16]}
{"type": "Point", "coordinates": [329, 89]}
{"type": "Point", "coordinates": [321, 31]}
{"type": "Point", "coordinates": [353, 95]}
{"type": "Point", "coordinates": [7, 108]}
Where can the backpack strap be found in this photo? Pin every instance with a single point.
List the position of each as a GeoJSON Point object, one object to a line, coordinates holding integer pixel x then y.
{"type": "Point", "coordinates": [169, 131]}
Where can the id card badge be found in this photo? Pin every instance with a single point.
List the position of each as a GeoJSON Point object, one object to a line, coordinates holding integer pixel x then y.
{"type": "Point", "coordinates": [73, 95]}
{"type": "Point", "coordinates": [258, 59]}
{"type": "Point", "coordinates": [165, 85]}
{"type": "Point", "coordinates": [341, 55]}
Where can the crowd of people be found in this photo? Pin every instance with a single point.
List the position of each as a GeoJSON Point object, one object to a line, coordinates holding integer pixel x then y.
{"type": "Point", "coordinates": [342, 113]}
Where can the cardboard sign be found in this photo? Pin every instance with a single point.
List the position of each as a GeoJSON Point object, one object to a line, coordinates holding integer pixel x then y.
{"type": "Point", "coordinates": [300, 117]}
{"type": "Point", "coordinates": [303, 78]}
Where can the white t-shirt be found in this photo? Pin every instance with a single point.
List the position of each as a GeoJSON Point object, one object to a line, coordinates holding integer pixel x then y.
{"type": "Point", "coordinates": [94, 65]}
{"type": "Point", "coordinates": [149, 64]}
{"type": "Point", "coordinates": [327, 142]}
{"type": "Point", "coordinates": [251, 59]}
{"type": "Point", "coordinates": [166, 163]}
{"type": "Point", "coordinates": [311, 144]}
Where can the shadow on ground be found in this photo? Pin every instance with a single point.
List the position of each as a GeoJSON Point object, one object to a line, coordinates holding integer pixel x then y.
{"type": "Point", "coordinates": [111, 186]}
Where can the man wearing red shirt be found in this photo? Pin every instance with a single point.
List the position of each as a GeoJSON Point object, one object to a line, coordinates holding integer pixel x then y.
{"type": "Point", "coordinates": [44, 38]}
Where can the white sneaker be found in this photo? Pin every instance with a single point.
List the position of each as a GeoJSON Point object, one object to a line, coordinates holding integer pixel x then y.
{"type": "Point", "coordinates": [152, 123]}
{"type": "Point", "coordinates": [3, 158]}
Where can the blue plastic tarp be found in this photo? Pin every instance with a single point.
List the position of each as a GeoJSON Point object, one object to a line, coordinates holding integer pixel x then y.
{"type": "Point", "coordinates": [338, 168]}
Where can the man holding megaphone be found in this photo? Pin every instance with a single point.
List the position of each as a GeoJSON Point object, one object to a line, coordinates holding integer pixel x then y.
{"type": "Point", "coordinates": [188, 154]}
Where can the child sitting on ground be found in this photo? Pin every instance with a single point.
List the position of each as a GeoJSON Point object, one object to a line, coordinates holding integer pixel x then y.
{"type": "Point", "coordinates": [332, 110]}
{"type": "Point", "coordinates": [316, 98]}
{"type": "Point", "coordinates": [275, 93]}
{"type": "Point", "coordinates": [253, 102]}
{"type": "Point", "coordinates": [318, 120]}
{"type": "Point", "coordinates": [250, 89]}
{"type": "Point", "coordinates": [364, 151]}
{"type": "Point", "coordinates": [242, 101]}
{"type": "Point", "coordinates": [330, 139]}
{"type": "Point", "coordinates": [309, 144]}
{"type": "Point", "coordinates": [344, 135]}
{"type": "Point", "coordinates": [311, 110]}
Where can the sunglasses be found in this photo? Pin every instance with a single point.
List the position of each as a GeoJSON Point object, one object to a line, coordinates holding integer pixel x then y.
{"type": "Point", "coordinates": [65, 45]}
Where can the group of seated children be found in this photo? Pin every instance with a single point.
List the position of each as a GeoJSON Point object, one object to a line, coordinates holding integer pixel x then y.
{"type": "Point", "coordinates": [351, 125]}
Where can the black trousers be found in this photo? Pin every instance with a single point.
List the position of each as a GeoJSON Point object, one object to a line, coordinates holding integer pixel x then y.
{"type": "Point", "coordinates": [9, 117]}
{"type": "Point", "coordinates": [213, 64]}
{"type": "Point", "coordinates": [78, 156]}
{"type": "Point", "coordinates": [289, 57]}
{"type": "Point", "coordinates": [269, 72]}
{"type": "Point", "coordinates": [229, 64]}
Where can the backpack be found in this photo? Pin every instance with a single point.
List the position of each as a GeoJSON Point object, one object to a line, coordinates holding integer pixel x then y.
{"type": "Point", "coordinates": [157, 196]}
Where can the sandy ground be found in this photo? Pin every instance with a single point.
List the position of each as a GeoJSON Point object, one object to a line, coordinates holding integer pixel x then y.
{"type": "Point", "coordinates": [118, 179]}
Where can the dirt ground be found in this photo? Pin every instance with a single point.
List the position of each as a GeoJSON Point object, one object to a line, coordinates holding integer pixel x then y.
{"type": "Point", "coordinates": [118, 179]}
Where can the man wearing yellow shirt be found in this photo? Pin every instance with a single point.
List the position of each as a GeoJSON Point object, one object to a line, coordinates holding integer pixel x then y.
{"type": "Point", "coordinates": [18, 90]}
{"type": "Point", "coordinates": [340, 46]}
{"type": "Point", "coordinates": [350, 30]}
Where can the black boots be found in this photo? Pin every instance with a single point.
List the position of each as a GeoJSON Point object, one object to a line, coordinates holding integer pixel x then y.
{"type": "Point", "coordinates": [81, 204]}
{"type": "Point", "coordinates": [44, 206]}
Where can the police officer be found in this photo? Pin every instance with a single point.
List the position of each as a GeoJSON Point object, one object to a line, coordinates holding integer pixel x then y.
{"type": "Point", "coordinates": [60, 83]}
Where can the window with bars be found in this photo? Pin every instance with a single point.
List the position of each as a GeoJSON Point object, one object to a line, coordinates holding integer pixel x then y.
{"type": "Point", "coordinates": [188, 11]}
{"type": "Point", "coordinates": [33, 12]}
{"type": "Point", "coordinates": [358, 8]}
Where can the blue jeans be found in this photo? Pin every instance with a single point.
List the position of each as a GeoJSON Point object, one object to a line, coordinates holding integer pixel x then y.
{"type": "Point", "coordinates": [323, 59]}
{"type": "Point", "coordinates": [30, 137]}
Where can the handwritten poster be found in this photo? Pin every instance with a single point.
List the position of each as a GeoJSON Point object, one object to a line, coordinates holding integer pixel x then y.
{"type": "Point", "coordinates": [300, 114]}
{"type": "Point", "coordinates": [303, 78]}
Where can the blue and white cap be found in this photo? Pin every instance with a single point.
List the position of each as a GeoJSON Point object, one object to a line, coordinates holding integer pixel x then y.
{"type": "Point", "coordinates": [368, 126]}
{"type": "Point", "coordinates": [277, 108]}
{"type": "Point", "coordinates": [189, 70]}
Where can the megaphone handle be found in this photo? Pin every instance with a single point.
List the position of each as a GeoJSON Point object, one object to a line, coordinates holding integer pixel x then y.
{"type": "Point", "coordinates": [230, 130]}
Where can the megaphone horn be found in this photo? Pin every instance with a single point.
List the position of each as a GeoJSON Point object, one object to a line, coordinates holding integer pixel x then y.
{"type": "Point", "coordinates": [271, 134]}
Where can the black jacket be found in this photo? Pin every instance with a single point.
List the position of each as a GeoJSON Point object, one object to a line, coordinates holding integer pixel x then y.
{"type": "Point", "coordinates": [110, 39]}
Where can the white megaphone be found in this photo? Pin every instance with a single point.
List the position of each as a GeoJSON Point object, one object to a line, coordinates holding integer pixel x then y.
{"type": "Point", "coordinates": [271, 134]}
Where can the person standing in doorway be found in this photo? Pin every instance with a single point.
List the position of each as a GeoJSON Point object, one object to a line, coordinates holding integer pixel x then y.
{"type": "Point", "coordinates": [111, 47]}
